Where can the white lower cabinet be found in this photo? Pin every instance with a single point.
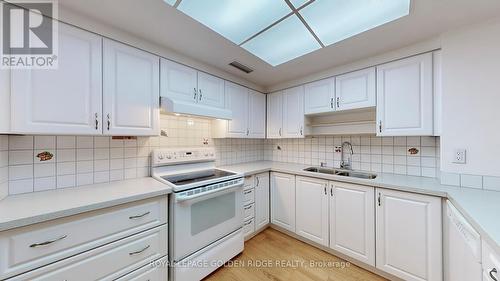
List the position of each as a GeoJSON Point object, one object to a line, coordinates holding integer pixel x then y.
{"type": "Point", "coordinates": [98, 245]}
{"type": "Point", "coordinates": [409, 235]}
{"type": "Point", "coordinates": [312, 209]}
{"type": "Point", "coordinates": [261, 200]}
{"type": "Point", "coordinates": [157, 271]}
{"type": "Point", "coordinates": [491, 263]}
{"type": "Point", "coordinates": [108, 262]}
{"type": "Point", "coordinates": [283, 200]}
{"type": "Point", "coordinates": [352, 221]}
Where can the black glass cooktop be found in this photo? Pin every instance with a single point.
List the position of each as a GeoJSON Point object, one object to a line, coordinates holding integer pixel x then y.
{"type": "Point", "coordinates": [183, 179]}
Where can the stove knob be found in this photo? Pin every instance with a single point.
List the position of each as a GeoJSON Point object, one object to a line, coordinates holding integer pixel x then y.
{"type": "Point", "coordinates": [160, 156]}
{"type": "Point", "coordinates": [169, 156]}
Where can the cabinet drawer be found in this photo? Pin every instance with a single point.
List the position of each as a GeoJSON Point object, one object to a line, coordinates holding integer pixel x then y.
{"type": "Point", "coordinates": [157, 271]}
{"type": "Point", "coordinates": [107, 262]}
{"type": "Point", "coordinates": [248, 196]}
{"type": "Point", "coordinates": [249, 211]}
{"type": "Point", "coordinates": [248, 182]}
{"type": "Point", "coordinates": [34, 246]}
{"type": "Point", "coordinates": [248, 227]}
{"type": "Point", "coordinates": [491, 263]}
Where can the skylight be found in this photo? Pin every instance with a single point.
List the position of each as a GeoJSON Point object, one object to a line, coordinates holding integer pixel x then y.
{"type": "Point", "coordinates": [278, 31]}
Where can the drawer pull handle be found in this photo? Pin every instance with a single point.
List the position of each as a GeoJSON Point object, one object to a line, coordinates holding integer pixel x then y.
{"type": "Point", "coordinates": [139, 216]}
{"type": "Point", "coordinates": [248, 207]}
{"type": "Point", "coordinates": [48, 242]}
{"type": "Point", "coordinates": [494, 270]}
{"type": "Point", "coordinates": [140, 251]}
{"type": "Point", "coordinates": [248, 223]}
{"type": "Point", "coordinates": [248, 192]}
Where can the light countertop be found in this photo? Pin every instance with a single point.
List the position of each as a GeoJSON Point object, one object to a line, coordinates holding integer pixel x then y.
{"type": "Point", "coordinates": [25, 209]}
{"type": "Point", "coordinates": [480, 207]}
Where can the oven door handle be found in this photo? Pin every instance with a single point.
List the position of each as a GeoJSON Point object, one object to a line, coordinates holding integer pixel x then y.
{"type": "Point", "coordinates": [209, 194]}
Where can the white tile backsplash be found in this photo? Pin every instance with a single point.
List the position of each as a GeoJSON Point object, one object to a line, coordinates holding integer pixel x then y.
{"type": "Point", "coordinates": [371, 153]}
{"type": "Point", "coordinates": [83, 160]}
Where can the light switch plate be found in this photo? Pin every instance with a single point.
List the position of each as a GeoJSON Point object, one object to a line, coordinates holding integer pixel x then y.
{"type": "Point", "coordinates": [459, 156]}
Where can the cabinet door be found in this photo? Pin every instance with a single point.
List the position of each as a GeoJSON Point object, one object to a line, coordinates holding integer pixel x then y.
{"type": "Point", "coordinates": [319, 96]}
{"type": "Point", "coordinates": [237, 102]}
{"type": "Point", "coordinates": [66, 100]}
{"type": "Point", "coordinates": [257, 114]}
{"type": "Point", "coordinates": [293, 112]}
{"type": "Point", "coordinates": [131, 91]}
{"type": "Point", "coordinates": [283, 200]}
{"type": "Point", "coordinates": [409, 241]}
{"type": "Point", "coordinates": [4, 101]}
{"type": "Point", "coordinates": [312, 209]}
{"type": "Point", "coordinates": [178, 82]}
{"type": "Point", "coordinates": [352, 221]}
{"type": "Point", "coordinates": [210, 90]}
{"type": "Point", "coordinates": [274, 115]}
{"type": "Point", "coordinates": [261, 200]}
{"type": "Point", "coordinates": [405, 98]}
{"type": "Point", "coordinates": [355, 90]}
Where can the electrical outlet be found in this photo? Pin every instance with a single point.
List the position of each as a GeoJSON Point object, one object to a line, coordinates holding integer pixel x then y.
{"type": "Point", "coordinates": [459, 156]}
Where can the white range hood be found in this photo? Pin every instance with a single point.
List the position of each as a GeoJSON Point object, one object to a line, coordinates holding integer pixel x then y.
{"type": "Point", "coordinates": [169, 105]}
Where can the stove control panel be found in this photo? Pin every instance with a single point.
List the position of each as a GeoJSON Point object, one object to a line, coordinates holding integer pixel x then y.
{"type": "Point", "coordinates": [172, 156]}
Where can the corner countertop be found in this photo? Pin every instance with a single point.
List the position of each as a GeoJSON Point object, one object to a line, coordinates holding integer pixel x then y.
{"type": "Point", "coordinates": [25, 209]}
{"type": "Point", "coordinates": [480, 207]}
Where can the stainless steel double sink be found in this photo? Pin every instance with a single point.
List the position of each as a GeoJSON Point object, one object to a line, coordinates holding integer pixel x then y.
{"type": "Point", "coordinates": [340, 172]}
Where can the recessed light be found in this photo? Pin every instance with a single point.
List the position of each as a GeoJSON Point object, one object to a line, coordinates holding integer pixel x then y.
{"type": "Point", "coordinates": [235, 20]}
{"type": "Point", "coordinates": [285, 41]}
{"type": "Point", "coordinates": [335, 20]}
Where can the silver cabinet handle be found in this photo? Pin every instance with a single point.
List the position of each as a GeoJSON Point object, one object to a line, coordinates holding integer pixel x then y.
{"type": "Point", "coordinates": [379, 201]}
{"type": "Point", "coordinates": [331, 103]}
{"type": "Point", "coordinates": [139, 216]}
{"type": "Point", "coordinates": [494, 270]}
{"type": "Point", "coordinates": [248, 191]}
{"type": "Point", "coordinates": [96, 121]}
{"type": "Point", "coordinates": [248, 132]}
{"type": "Point", "coordinates": [258, 181]}
{"type": "Point", "coordinates": [331, 191]}
{"type": "Point", "coordinates": [48, 242]}
{"type": "Point", "coordinates": [380, 126]}
{"type": "Point", "coordinates": [301, 131]}
{"type": "Point", "coordinates": [199, 98]}
{"type": "Point", "coordinates": [248, 207]}
{"type": "Point", "coordinates": [140, 251]}
{"type": "Point", "coordinates": [109, 121]}
{"type": "Point", "coordinates": [195, 94]}
{"type": "Point", "coordinates": [248, 223]}
{"type": "Point", "coordinates": [325, 189]}
{"type": "Point", "coordinates": [338, 102]}
{"type": "Point", "coordinates": [280, 132]}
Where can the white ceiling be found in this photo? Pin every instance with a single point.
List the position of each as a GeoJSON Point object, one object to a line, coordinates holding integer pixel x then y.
{"type": "Point", "coordinates": [159, 23]}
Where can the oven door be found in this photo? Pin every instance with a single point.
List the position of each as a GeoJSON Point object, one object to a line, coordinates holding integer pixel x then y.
{"type": "Point", "coordinates": [204, 218]}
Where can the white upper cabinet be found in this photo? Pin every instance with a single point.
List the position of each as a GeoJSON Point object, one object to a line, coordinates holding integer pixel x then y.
{"type": "Point", "coordinates": [293, 112]}
{"type": "Point", "coordinates": [131, 91]}
{"type": "Point", "coordinates": [179, 81]}
{"type": "Point", "coordinates": [355, 89]}
{"type": "Point", "coordinates": [275, 115]}
{"type": "Point", "coordinates": [66, 100]}
{"type": "Point", "coordinates": [352, 221]}
{"type": "Point", "coordinates": [405, 97]}
{"type": "Point", "coordinates": [312, 197]}
{"type": "Point", "coordinates": [283, 200]}
{"type": "Point", "coordinates": [319, 96]}
{"type": "Point", "coordinates": [210, 90]}
{"type": "Point", "coordinates": [256, 114]}
{"type": "Point", "coordinates": [409, 236]}
{"type": "Point", "coordinates": [237, 102]}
